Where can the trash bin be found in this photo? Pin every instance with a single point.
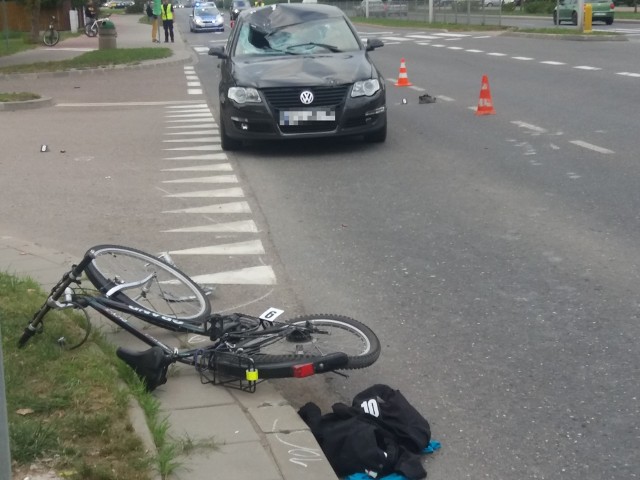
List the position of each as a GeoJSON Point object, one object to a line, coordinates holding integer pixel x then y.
{"type": "Point", "coordinates": [107, 35]}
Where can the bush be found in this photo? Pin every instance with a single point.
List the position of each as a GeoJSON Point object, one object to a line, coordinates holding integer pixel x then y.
{"type": "Point", "coordinates": [540, 6]}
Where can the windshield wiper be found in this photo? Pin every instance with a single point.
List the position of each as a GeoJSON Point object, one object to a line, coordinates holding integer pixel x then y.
{"type": "Point", "coordinates": [331, 48]}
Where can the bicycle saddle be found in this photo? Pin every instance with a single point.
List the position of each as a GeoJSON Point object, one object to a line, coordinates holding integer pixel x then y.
{"type": "Point", "coordinates": [150, 365]}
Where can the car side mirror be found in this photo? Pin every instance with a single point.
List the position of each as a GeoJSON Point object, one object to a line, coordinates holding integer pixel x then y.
{"type": "Point", "coordinates": [373, 43]}
{"type": "Point", "coordinates": [218, 52]}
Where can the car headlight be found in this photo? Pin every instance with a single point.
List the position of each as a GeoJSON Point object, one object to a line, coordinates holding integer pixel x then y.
{"type": "Point", "coordinates": [365, 87]}
{"type": "Point", "coordinates": [244, 95]}
{"type": "Point", "coordinates": [197, 20]}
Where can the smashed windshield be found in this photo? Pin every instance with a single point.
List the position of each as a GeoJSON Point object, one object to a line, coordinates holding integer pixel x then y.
{"type": "Point", "coordinates": [314, 36]}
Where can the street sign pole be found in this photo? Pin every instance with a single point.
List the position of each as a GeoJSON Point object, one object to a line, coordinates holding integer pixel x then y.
{"type": "Point", "coordinates": [5, 454]}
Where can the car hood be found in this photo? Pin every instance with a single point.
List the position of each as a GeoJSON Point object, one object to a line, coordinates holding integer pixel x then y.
{"type": "Point", "coordinates": [303, 70]}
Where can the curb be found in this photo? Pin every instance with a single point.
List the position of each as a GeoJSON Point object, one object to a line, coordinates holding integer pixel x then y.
{"type": "Point", "coordinates": [26, 104]}
{"type": "Point", "coordinates": [577, 37]}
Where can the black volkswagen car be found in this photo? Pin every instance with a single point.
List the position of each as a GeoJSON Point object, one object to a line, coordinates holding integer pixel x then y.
{"type": "Point", "coordinates": [298, 71]}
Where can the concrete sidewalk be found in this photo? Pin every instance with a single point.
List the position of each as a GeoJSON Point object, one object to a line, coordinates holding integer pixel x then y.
{"type": "Point", "coordinates": [260, 435]}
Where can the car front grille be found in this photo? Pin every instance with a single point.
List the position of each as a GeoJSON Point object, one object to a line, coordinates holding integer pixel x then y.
{"type": "Point", "coordinates": [289, 97]}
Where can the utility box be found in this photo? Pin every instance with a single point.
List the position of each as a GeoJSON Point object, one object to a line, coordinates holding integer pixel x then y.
{"type": "Point", "coordinates": [107, 35]}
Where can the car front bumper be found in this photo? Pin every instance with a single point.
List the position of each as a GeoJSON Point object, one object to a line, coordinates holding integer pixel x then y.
{"type": "Point", "coordinates": [263, 121]}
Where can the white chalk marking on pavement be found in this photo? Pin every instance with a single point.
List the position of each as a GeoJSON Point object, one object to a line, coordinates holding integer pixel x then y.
{"type": "Point", "coordinates": [212, 179]}
{"type": "Point", "coordinates": [217, 193]}
{"type": "Point", "coordinates": [242, 226]}
{"type": "Point", "coordinates": [219, 167]}
{"type": "Point", "coordinates": [206, 156]}
{"type": "Point", "coordinates": [231, 207]}
{"type": "Point", "coordinates": [261, 275]}
{"type": "Point", "coordinates": [529, 126]}
{"type": "Point", "coordinates": [586, 67]}
{"type": "Point", "coordinates": [551, 62]}
{"type": "Point", "coordinates": [202, 148]}
{"type": "Point", "coordinates": [590, 146]}
{"type": "Point", "coordinates": [193, 140]}
{"type": "Point", "coordinates": [249, 247]}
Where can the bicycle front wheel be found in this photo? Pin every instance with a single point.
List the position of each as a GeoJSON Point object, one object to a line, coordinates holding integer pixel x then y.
{"type": "Point", "coordinates": [321, 335]}
{"type": "Point", "coordinates": [90, 30]}
{"type": "Point", "coordinates": [165, 291]}
{"type": "Point", "coordinates": [51, 37]}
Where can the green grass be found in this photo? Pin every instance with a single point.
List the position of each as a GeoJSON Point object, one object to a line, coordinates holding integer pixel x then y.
{"type": "Point", "coordinates": [68, 409]}
{"type": "Point", "coordinates": [93, 59]}
{"type": "Point", "coordinates": [18, 96]}
{"type": "Point", "coordinates": [17, 42]}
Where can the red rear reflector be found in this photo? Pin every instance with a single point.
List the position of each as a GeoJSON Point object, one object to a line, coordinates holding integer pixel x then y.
{"type": "Point", "coordinates": [306, 370]}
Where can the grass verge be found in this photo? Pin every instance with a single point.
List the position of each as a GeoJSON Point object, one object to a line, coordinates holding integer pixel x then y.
{"type": "Point", "coordinates": [68, 409]}
{"type": "Point", "coordinates": [93, 59]}
{"type": "Point", "coordinates": [18, 96]}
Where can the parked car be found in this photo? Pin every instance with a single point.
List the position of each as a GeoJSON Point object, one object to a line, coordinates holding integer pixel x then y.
{"type": "Point", "coordinates": [206, 18]}
{"type": "Point", "coordinates": [236, 7]}
{"type": "Point", "coordinates": [377, 8]}
{"type": "Point", "coordinates": [295, 70]}
{"type": "Point", "coordinates": [568, 11]}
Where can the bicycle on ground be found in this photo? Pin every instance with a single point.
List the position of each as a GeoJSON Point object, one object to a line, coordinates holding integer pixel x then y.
{"type": "Point", "coordinates": [51, 36]}
{"type": "Point", "coordinates": [236, 350]}
{"type": "Point", "coordinates": [91, 29]}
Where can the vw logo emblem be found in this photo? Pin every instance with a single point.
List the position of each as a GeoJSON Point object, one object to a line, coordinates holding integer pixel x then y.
{"type": "Point", "coordinates": [306, 97]}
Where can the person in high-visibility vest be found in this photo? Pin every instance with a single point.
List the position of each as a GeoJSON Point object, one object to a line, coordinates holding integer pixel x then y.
{"type": "Point", "coordinates": [167, 20]}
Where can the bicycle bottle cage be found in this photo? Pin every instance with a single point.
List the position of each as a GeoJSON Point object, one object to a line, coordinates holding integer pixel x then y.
{"type": "Point", "coordinates": [150, 365]}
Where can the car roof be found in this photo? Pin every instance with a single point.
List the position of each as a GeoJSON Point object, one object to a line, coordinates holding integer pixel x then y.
{"type": "Point", "coordinates": [281, 14]}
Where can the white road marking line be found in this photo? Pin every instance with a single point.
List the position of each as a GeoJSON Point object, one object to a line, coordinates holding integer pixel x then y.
{"type": "Point", "coordinates": [586, 67]}
{"type": "Point", "coordinates": [194, 84]}
{"type": "Point", "coordinates": [529, 126]}
{"type": "Point", "coordinates": [438, 45]}
{"type": "Point", "coordinates": [522, 58]}
{"type": "Point", "coordinates": [232, 207]}
{"type": "Point", "coordinates": [122, 104]}
{"type": "Point", "coordinates": [194, 91]}
{"type": "Point", "coordinates": [473, 50]}
{"type": "Point", "coordinates": [482, 36]}
{"type": "Point", "coordinates": [445, 98]}
{"type": "Point", "coordinates": [262, 275]}
{"type": "Point", "coordinates": [551, 62]}
{"type": "Point", "coordinates": [456, 35]}
{"type": "Point", "coordinates": [195, 132]}
{"type": "Point", "coordinates": [201, 148]}
{"type": "Point", "coordinates": [424, 37]}
{"type": "Point", "coordinates": [193, 105]}
{"type": "Point", "coordinates": [628, 74]}
{"type": "Point", "coordinates": [497, 54]}
{"type": "Point", "coordinates": [216, 167]}
{"type": "Point", "coordinates": [193, 140]}
{"type": "Point", "coordinates": [192, 77]}
{"type": "Point", "coordinates": [395, 39]}
{"type": "Point", "coordinates": [191, 115]}
{"type": "Point", "coordinates": [202, 125]}
{"type": "Point", "coordinates": [217, 193]}
{"type": "Point", "coordinates": [249, 247]}
{"type": "Point", "coordinates": [590, 146]}
{"type": "Point", "coordinates": [242, 226]}
{"type": "Point", "coordinates": [206, 156]}
{"type": "Point", "coordinates": [212, 179]}
{"type": "Point", "coordinates": [455, 48]}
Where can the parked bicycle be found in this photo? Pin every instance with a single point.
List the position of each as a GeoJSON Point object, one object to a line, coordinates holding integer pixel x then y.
{"type": "Point", "coordinates": [91, 29]}
{"type": "Point", "coordinates": [51, 36]}
{"type": "Point", "coordinates": [238, 351]}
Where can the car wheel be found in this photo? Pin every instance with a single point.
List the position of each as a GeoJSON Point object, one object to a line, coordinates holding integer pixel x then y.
{"type": "Point", "coordinates": [609, 21]}
{"type": "Point", "coordinates": [227, 143]}
{"type": "Point", "coordinates": [574, 18]}
{"type": "Point", "coordinates": [379, 136]}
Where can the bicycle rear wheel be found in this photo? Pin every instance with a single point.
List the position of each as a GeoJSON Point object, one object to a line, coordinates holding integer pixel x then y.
{"type": "Point", "coordinates": [322, 335]}
{"type": "Point", "coordinates": [167, 292]}
{"type": "Point", "coordinates": [51, 37]}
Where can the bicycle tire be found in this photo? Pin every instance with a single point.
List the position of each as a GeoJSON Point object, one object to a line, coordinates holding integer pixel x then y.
{"type": "Point", "coordinates": [170, 293]}
{"type": "Point", "coordinates": [90, 30]}
{"type": "Point", "coordinates": [340, 332]}
{"type": "Point", "coordinates": [51, 37]}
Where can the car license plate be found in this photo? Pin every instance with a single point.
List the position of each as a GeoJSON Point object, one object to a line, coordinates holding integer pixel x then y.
{"type": "Point", "coordinates": [301, 117]}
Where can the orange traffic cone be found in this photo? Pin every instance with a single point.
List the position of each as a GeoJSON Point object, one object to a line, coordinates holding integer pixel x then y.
{"type": "Point", "coordinates": [485, 104]}
{"type": "Point", "coordinates": [403, 80]}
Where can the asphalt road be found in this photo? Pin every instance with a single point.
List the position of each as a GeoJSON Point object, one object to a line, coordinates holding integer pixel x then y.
{"type": "Point", "coordinates": [495, 256]}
